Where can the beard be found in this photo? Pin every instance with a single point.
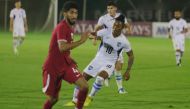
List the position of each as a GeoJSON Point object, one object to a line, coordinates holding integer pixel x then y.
{"type": "Point", "coordinates": [177, 18]}
{"type": "Point", "coordinates": [70, 22]}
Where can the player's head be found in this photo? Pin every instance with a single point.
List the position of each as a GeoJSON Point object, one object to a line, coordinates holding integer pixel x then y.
{"type": "Point", "coordinates": [119, 24]}
{"type": "Point", "coordinates": [111, 8]}
{"type": "Point", "coordinates": [70, 11]}
{"type": "Point", "coordinates": [177, 14]}
{"type": "Point", "coordinates": [18, 3]}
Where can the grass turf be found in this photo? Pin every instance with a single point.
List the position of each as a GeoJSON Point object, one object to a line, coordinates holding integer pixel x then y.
{"type": "Point", "coordinates": [156, 82]}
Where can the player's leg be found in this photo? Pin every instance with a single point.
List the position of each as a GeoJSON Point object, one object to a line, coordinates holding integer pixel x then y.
{"type": "Point", "coordinates": [82, 93]}
{"type": "Point", "coordinates": [118, 77]}
{"type": "Point", "coordinates": [76, 90]}
{"type": "Point", "coordinates": [176, 45]}
{"type": "Point", "coordinates": [72, 75]}
{"type": "Point", "coordinates": [97, 85]}
{"type": "Point", "coordinates": [50, 101]}
{"type": "Point", "coordinates": [105, 72]}
{"type": "Point", "coordinates": [15, 40]}
{"type": "Point", "coordinates": [21, 40]}
{"type": "Point", "coordinates": [182, 48]}
{"type": "Point", "coordinates": [51, 87]}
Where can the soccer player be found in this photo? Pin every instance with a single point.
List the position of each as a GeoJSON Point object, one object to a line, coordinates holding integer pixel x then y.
{"type": "Point", "coordinates": [103, 65]}
{"type": "Point", "coordinates": [107, 21]}
{"type": "Point", "coordinates": [18, 25]}
{"type": "Point", "coordinates": [177, 29]}
{"type": "Point", "coordinates": [59, 65]}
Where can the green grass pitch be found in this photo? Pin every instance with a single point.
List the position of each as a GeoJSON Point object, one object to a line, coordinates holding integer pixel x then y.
{"type": "Point", "coordinates": [156, 82]}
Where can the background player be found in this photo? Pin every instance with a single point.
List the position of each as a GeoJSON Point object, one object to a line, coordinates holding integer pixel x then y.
{"type": "Point", "coordinates": [102, 66]}
{"type": "Point", "coordinates": [177, 29]}
{"type": "Point", "coordinates": [59, 65]}
{"type": "Point", "coordinates": [107, 21]}
{"type": "Point", "coordinates": [18, 25]}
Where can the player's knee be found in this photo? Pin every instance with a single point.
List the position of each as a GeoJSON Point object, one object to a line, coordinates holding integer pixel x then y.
{"type": "Point", "coordinates": [84, 86]}
{"type": "Point", "coordinates": [118, 66]}
{"type": "Point", "coordinates": [53, 100]}
{"type": "Point", "coordinates": [103, 74]}
{"type": "Point", "coordinates": [100, 80]}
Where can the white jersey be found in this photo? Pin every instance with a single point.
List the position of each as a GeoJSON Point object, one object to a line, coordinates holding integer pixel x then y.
{"type": "Point", "coordinates": [111, 47]}
{"type": "Point", "coordinates": [107, 21]}
{"type": "Point", "coordinates": [18, 16]}
{"type": "Point", "coordinates": [108, 53]}
{"type": "Point", "coordinates": [177, 26]}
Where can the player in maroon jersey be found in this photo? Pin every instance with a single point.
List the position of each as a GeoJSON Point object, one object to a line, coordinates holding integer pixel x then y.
{"type": "Point", "coordinates": [59, 65]}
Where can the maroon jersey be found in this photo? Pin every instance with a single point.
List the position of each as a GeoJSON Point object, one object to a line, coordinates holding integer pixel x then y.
{"type": "Point", "coordinates": [58, 61]}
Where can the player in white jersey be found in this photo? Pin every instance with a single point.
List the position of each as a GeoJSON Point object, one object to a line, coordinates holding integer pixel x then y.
{"type": "Point", "coordinates": [107, 21]}
{"type": "Point", "coordinates": [18, 25]}
{"type": "Point", "coordinates": [177, 29]}
{"type": "Point", "coordinates": [103, 65]}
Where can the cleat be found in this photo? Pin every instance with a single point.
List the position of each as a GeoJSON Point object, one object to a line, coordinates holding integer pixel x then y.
{"type": "Point", "coordinates": [88, 101]}
{"type": "Point", "coordinates": [122, 91]}
{"type": "Point", "coordinates": [70, 104]}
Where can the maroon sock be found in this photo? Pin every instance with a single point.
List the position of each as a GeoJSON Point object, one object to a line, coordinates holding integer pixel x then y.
{"type": "Point", "coordinates": [81, 98]}
{"type": "Point", "coordinates": [47, 105]}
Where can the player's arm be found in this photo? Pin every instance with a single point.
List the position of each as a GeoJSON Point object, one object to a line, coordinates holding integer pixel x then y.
{"type": "Point", "coordinates": [11, 24]}
{"type": "Point", "coordinates": [185, 30]}
{"type": "Point", "coordinates": [97, 28]}
{"type": "Point", "coordinates": [128, 28]}
{"type": "Point", "coordinates": [25, 24]}
{"type": "Point", "coordinates": [169, 33]}
{"type": "Point", "coordinates": [129, 66]}
{"type": "Point", "coordinates": [64, 46]}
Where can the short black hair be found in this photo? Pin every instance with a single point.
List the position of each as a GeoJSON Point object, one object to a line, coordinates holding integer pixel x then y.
{"type": "Point", "coordinates": [17, 1]}
{"type": "Point", "coordinates": [111, 3]}
{"type": "Point", "coordinates": [68, 5]}
{"type": "Point", "coordinates": [120, 18]}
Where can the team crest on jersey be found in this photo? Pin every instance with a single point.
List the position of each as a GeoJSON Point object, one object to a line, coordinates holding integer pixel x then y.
{"type": "Point", "coordinates": [90, 67]}
{"type": "Point", "coordinates": [118, 44]}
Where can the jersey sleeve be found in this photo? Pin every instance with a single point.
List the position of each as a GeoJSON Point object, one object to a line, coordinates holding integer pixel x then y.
{"type": "Point", "coordinates": [11, 14]}
{"type": "Point", "coordinates": [127, 46]}
{"type": "Point", "coordinates": [101, 21]}
{"type": "Point", "coordinates": [61, 34]}
{"type": "Point", "coordinates": [101, 33]}
{"type": "Point", "coordinates": [24, 14]}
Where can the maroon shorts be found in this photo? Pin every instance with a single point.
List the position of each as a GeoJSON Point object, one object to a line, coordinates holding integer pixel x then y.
{"type": "Point", "coordinates": [52, 80]}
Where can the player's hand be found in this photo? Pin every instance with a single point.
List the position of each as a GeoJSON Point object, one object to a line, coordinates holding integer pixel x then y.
{"type": "Point", "coordinates": [126, 76]}
{"type": "Point", "coordinates": [84, 37]}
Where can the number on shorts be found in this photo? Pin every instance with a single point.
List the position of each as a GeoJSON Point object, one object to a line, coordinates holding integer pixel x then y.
{"type": "Point", "coordinates": [109, 66]}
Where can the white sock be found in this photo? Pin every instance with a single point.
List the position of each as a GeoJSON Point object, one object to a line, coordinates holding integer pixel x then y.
{"type": "Point", "coordinates": [75, 94]}
{"type": "Point", "coordinates": [118, 78]}
{"type": "Point", "coordinates": [178, 57]}
{"type": "Point", "coordinates": [97, 85]}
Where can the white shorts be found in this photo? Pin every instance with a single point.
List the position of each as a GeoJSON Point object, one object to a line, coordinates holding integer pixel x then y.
{"type": "Point", "coordinates": [179, 43]}
{"type": "Point", "coordinates": [97, 65]}
{"type": "Point", "coordinates": [18, 32]}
